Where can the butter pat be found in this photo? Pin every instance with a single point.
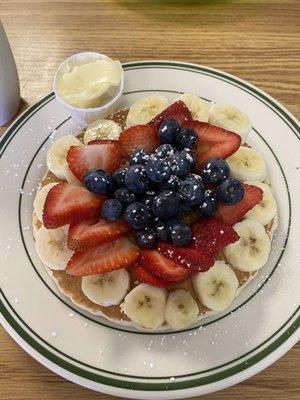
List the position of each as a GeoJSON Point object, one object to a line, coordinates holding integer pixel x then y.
{"type": "Point", "coordinates": [90, 84]}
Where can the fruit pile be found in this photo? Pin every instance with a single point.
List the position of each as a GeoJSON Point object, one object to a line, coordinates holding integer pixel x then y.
{"type": "Point", "coordinates": [158, 188]}
{"type": "Point", "coordinates": [166, 184]}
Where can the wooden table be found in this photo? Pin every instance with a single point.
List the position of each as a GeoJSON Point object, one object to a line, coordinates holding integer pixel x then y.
{"type": "Point", "coordinates": [258, 40]}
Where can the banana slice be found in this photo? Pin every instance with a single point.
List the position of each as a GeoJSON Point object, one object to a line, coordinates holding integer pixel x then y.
{"type": "Point", "coordinates": [56, 156]}
{"type": "Point", "coordinates": [181, 309]}
{"type": "Point", "coordinates": [231, 118]}
{"type": "Point", "coordinates": [146, 305]}
{"type": "Point", "coordinates": [216, 288]}
{"type": "Point", "coordinates": [39, 201]}
{"type": "Point", "coordinates": [246, 164]}
{"type": "Point", "coordinates": [264, 211]}
{"type": "Point", "coordinates": [71, 178]}
{"type": "Point", "coordinates": [51, 247]}
{"type": "Point", "coordinates": [143, 110]}
{"type": "Point", "coordinates": [102, 129]}
{"type": "Point", "coordinates": [106, 289]}
{"type": "Point", "coordinates": [198, 107]}
{"type": "Point", "coordinates": [251, 251]}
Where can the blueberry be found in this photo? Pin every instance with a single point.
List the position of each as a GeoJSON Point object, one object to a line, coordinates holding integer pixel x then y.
{"type": "Point", "coordinates": [166, 204]}
{"type": "Point", "coordinates": [192, 191]}
{"type": "Point", "coordinates": [148, 198]}
{"type": "Point", "coordinates": [139, 156]}
{"type": "Point", "coordinates": [209, 205]}
{"type": "Point", "coordinates": [191, 157]}
{"type": "Point", "coordinates": [137, 215]}
{"type": "Point", "coordinates": [111, 209]}
{"type": "Point", "coordinates": [181, 235]}
{"type": "Point", "coordinates": [158, 170]}
{"type": "Point", "coordinates": [168, 130]}
{"type": "Point", "coordinates": [136, 179]}
{"type": "Point", "coordinates": [124, 196]}
{"type": "Point", "coordinates": [172, 183]}
{"type": "Point", "coordinates": [162, 231]}
{"type": "Point", "coordinates": [194, 176]}
{"type": "Point", "coordinates": [146, 238]}
{"type": "Point", "coordinates": [186, 138]}
{"type": "Point", "coordinates": [215, 171]}
{"type": "Point", "coordinates": [164, 150]}
{"type": "Point", "coordinates": [179, 165]}
{"type": "Point", "coordinates": [230, 191]}
{"type": "Point", "coordinates": [118, 177]}
{"type": "Point", "coordinates": [98, 181]}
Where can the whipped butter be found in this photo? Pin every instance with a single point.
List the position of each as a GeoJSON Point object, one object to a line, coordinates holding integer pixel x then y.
{"type": "Point", "coordinates": [90, 83]}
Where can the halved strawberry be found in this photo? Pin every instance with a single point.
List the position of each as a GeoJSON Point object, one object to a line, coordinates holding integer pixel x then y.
{"type": "Point", "coordinates": [120, 253]}
{"type": "Point", "coordinates": [116, 143]}
{"type": "Point", "coordinates": [189, 258]}
{"type": "Point", "coordinates": [233, 214]}
{"type": "Point", "coordinates": [95, 232]}
{"type": "Point", "coordinates": [178, 111]}
{"type": "Point", "coordinates": [68, 204]}
{"type": "Point", "coordinates": [213, 142]}
{"type": "Point", "coordinates": [81, 159]}
{"type": "Point", "coordinates": [139, 137]}
{"type": "Point", "coordinates": [146, 277]}
{"type": "Point", "coordinates": [211, 235]}
{"type": "Point", "coordinates": [161, 267]}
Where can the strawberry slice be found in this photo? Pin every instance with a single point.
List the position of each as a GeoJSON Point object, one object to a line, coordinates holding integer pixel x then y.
{"type": "Point", "coordinates": [160, 266]}
{"type": "Point", "coordinates": [189, 258]}
{"type": "Point", "coordinates": [233, 214]}
{"type": "Point", "coordinates": [178, 111]}
{"type": "Point", "coordinates": [95, 232]}
{"type": "Point", "coordinates": [145, 276]}
{"type": "Point", "coordinates": [110, 141]}
{"type": "Point", "coordinates": [120, 253]}
{"type": "Point", "coordinates": [210, 235]}
{"type": "Point", "coordinates": [68, 204]}
{"type": "Point", "coordinates": [213, 142]}
{"type": "Point", "coordinates": [139, 137]}
{"type": "Point", "coordinates": [81, 159]}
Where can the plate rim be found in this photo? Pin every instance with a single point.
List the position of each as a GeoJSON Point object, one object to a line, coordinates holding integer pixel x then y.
{"type": "Point", "coordinates": [291, 332]}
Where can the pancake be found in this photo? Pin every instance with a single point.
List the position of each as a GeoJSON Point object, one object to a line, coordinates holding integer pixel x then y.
{"type": "Point", "coordinates": [70, 286]}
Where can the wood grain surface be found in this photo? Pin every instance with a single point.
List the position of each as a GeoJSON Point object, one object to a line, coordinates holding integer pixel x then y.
{"type": "Point", "coordinates": [257, 40]}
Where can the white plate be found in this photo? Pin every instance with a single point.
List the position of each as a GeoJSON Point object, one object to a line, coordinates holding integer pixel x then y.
{"type": "Point", "coordinates": [260, 326]}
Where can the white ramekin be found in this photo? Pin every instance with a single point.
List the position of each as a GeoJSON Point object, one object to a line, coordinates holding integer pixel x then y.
{"type": "Point", "coordinates": [84, 116]}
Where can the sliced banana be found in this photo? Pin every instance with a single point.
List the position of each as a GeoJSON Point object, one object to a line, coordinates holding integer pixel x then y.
{"type": "Point", "coordinates": [181, 309]}
{"type": "Point", "coordinates": [102, 129]}
{"type": "Point", "coordinates": [39, 201]}
{"type": "Point", "coordinates": [246, 164]}
{"type": "Point", "coordinates": [231, 118]}
{"type": "Point", "coordinates": [216, 288]}
{"type": "Point", "coordinates": [251, 251]}
{"type": "Point", "coordinates": [106, 289]}
{"type": "Point", "coordinates": [264, 211]}
{"type": "Point", "coordinates": [143, 110]}
{"type": "Point", "coordinates": [198, 107]}
{"type": "Point", "coordinates": [71, 178]}
{"type": "Point", "coordinates": [146, 305]}
{"type": "Point", "coordinates": [51, 247]}
{"type": "Point", "coordinates": [56, 156]}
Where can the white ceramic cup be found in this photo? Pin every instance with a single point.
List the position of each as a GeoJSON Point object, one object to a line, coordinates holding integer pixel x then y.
{"type": "Point", "coordinates": [85, 116]}
{"type": "Point", "coordinates": [9, 81]}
